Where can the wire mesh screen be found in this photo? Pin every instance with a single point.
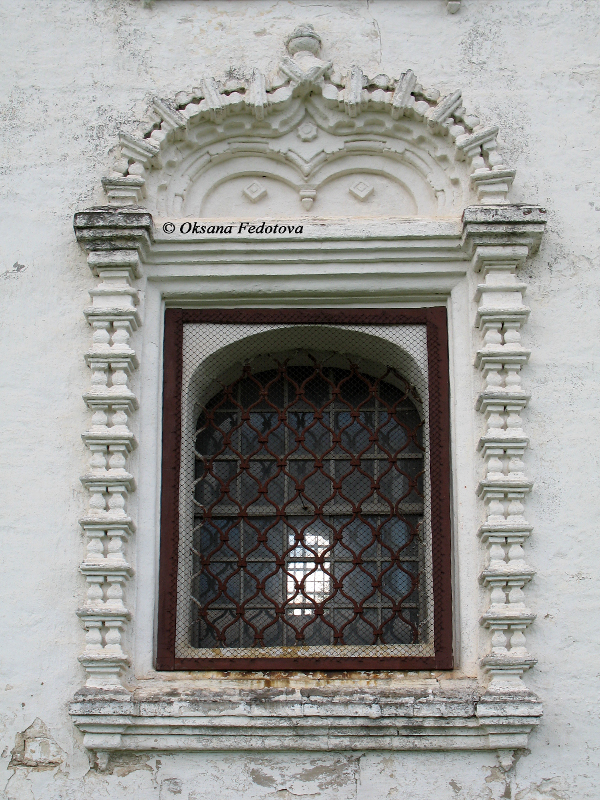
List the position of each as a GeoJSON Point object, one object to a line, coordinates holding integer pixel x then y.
{"type": "Point", "coordinates": [304, 492]}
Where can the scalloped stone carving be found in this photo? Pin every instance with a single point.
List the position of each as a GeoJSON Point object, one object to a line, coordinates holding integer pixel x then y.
{"type": "Point", "coordinates": [300, 130]}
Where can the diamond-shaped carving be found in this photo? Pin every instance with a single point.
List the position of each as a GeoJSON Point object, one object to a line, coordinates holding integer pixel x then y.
{"type": "Point", "coordinates": [255, 191]}
{"type": "Point", "coordinates": [307, 131]}
{"type": "Point", "coordinates": [361, 190]}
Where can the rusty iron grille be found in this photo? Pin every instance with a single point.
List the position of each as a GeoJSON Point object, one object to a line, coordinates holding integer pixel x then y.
{"type": "Point", "coordinates": [304, 502]}
{"type": "Point", "coordinates": [308, 509]}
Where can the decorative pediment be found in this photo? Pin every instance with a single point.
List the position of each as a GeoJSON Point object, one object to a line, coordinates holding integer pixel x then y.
{"type": "Point", "coordinates": [310, 139]}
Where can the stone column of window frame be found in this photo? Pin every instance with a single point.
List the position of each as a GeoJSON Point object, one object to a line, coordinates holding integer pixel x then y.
{"type": "Point", "coordinates": [500, 238]}
{"type": "Point", "coordinates": [112, 238]}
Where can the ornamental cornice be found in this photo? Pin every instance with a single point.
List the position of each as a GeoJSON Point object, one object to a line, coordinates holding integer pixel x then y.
{"type": "Point", "coordinates": [101, 567]}
{"type": "Point", "coordinates": [504, 484]}
{"type": "Point", "coordinates": [503, 355]}
{"type": "Point", "coordinates": [110, 229]}
{"type": "Point", "coordinates": [109, 437]}
{"type": "Point", "coordinates": [108, 521]}
{"type": "Point", "coordinates": [505, 528]}
{"type": "Point", "coordinates": [502, 237]}
{"type": "Point", "coordinates": [502, 437]}
{"type": "Point", "coordinates": [227, 127]}
{"type": "Point", "coordinates": [506, 614]}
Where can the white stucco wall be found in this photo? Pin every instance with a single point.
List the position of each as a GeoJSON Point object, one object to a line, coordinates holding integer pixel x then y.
{"type": "Point", "coordinates": [75, 72]}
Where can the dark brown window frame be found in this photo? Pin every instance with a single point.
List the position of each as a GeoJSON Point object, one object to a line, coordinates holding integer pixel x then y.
{"type": "Point", "coordinates": [435, 319]}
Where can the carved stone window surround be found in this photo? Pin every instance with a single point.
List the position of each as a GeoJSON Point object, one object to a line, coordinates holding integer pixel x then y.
{"type": "Point", "coordinates": [351, 263]}
{"type": "Point", "coordinates": [458, 713]}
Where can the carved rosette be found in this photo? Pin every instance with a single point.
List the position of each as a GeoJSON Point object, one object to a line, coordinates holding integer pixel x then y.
{"type": "Point", "coordinates": [112, 240]}
{"type": "Point", "coordinates": [500, 239]}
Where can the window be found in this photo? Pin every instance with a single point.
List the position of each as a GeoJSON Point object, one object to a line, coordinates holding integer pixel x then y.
{"type": "Point", "coordinates": [305, 501]}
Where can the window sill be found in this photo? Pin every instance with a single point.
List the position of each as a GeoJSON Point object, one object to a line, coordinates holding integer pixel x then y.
{"type": "Point", "coordinates": [306, 719]}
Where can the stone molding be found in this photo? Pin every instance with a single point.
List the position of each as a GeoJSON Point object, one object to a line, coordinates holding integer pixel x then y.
{"type": "Point", "coordinates": [499, 240]}
{"type": "Point", "coordinates": [112, 240]}
{"type": "Point", "coordinates": [226, 128]}
{"type": "Point", "coordinates": [452, 6]}
{"type": "Point", "coordinates": [413, 718]}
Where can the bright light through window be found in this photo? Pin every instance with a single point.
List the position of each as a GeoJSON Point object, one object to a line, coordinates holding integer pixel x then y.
{"type": "Point", "coordinates": [306, 580]}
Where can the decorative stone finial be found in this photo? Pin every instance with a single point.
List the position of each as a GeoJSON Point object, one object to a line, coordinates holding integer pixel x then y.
{"type": "Point", "coordinates": [303, 39]}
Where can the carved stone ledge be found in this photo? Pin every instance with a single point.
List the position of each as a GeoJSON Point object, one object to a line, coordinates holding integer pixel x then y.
{"type": "Point", "coordinates": [487, 315]}
{"type": "Point", "coordinates": [501, 666]}
{"type": "Point", "coordinates": [112, 478]}
{"type": "Point", "coordinates": [504, 224]}
{"type": "Point", "coordinates": [505, 573]}
{"type": "Point", "coordinates": [505, 484]}
{"type": "Point", "coordinates": [108, 521]}
{"type": "Point", "coordinates": [101, 261]}
{"type": "Point", "coordinates": [105, 669]}
{"type": "Point", "coordinates": [307, 719]}
{"type": "Point", "coordinates": [111, 228]}
{"type": "Point", "coordinates": [109, 437]}
{"type": "Point", "coordinates": [505, 529]}
{"type": "Point", "coordinates": [501, 355]}
{"type": "Point", "coordinates": [112, 395]}
{"type": "Point", "coordinates": [502, 396]}
{"type": "Point", "coordinates": [123, 190]}
{"type": "Point", "coordinates": [509, 614]}
{"type": "Point", "coordinates": [112, 314]}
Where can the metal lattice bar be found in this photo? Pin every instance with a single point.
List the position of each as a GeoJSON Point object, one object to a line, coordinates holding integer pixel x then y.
{"type": "Point", "coordinates": [358, 433]}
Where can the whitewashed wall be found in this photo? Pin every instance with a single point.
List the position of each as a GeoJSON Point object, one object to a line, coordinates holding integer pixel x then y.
{"type": "Point", "coordinates": [75, 72]}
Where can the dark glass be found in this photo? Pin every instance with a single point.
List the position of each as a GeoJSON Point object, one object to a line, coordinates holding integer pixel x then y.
{"type": "Point", "coordinates": [308, 502]}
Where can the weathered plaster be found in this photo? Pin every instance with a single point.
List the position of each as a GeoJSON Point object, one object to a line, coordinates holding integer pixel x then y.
{"type": "Point", "coordinates": [79, 71]}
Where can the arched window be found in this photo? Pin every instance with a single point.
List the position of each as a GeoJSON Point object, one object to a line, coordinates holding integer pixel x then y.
{"type": "Point", "coordinates": [308, 509]}
{"type": "Point", "coordinates": [311, 527]}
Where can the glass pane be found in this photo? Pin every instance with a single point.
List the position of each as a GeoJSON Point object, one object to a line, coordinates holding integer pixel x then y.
{"type": "Point", "coordinates": [309, 501]}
